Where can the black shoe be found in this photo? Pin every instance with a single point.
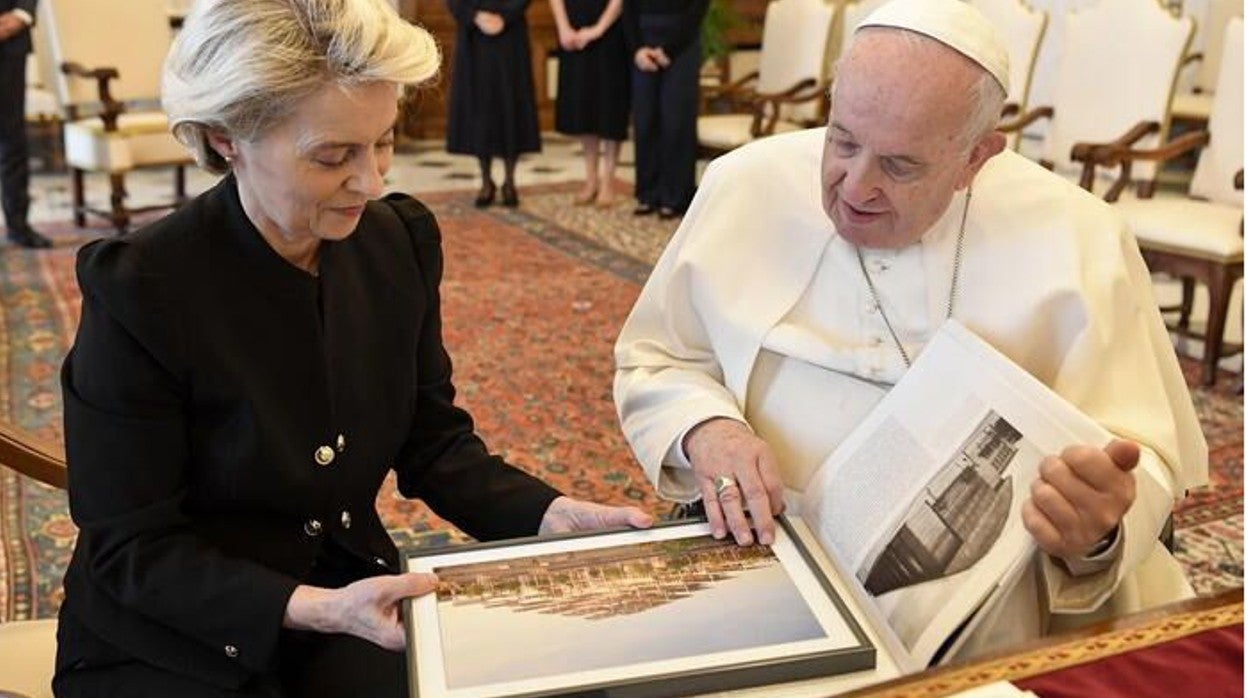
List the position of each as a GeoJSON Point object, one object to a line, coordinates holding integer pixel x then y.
{"type": "Point", "coordinates": [26, 236]}
{"type": "Point", "coordinates": [510, 198]}
{"type": "Point", "coordinates": [485, 197]}
{"type": "Point", "coordinates": [644, 210]}
{"type": "Point", "coordinates": [666, 214]}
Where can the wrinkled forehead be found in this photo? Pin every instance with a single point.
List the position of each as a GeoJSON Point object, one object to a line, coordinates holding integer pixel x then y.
{"type": "Point", "coordinates": [898, 70]}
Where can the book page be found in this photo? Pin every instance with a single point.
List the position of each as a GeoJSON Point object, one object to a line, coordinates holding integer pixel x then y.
{"type": "Point", "coordinates": [922, 501]}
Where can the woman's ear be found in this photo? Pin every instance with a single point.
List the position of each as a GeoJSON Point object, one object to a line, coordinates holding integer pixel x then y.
{"type": "Point", "coordinates": [222, 143]}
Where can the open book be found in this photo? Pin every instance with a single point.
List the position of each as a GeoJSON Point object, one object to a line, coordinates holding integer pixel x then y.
{"type": "Point", "coordinates": [921, 503]}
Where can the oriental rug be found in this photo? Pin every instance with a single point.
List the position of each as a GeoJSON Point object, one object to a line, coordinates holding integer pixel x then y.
{"type": "Point", "coordinates": [532, 301]}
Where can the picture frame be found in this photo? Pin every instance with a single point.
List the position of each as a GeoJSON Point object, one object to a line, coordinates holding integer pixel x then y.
{"type": "Point", "coordinates": [645, 613]}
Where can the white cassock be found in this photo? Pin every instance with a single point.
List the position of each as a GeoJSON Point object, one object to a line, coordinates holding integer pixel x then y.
{"type": "Point", "coordinates": [758, 311]}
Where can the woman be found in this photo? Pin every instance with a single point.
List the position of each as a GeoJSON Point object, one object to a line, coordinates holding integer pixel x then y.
{"type": "Point", "coordinates": [664, 37]}
{"type": "Point", "coordinates": [593, 89]}
{"type": "Point", "coordinates": [249, 368]}
{"type": "Point", "coordinates": [493, 111]}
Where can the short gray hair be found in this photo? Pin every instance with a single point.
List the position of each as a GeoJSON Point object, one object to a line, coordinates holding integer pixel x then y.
{"type": "Point", "coordinates": [986, 97]}
{"type": "Point", "coordinates": [241, 66]}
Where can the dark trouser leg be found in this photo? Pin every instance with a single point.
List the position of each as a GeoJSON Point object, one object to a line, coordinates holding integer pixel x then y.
{"type": "Point", "coordinates": [679, 128]}
{"type": "Point", "coordinates": [646, 141]}
{"type": "Point", "coordinates": [14, 155]}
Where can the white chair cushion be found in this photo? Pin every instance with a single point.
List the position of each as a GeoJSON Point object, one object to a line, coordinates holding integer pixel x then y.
{"type": "Point", "coordinates": [1198, 228]}
{"type": "Point", "coordinates": [27, 657]}
{"type": "Point", "coordinates": [728, 131]}
{"type": "Point", "coordinates": [142, 138]}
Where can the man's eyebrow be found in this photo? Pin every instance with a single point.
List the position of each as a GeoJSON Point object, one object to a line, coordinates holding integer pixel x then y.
{"type": "Point", "coordinates": [841, 128]}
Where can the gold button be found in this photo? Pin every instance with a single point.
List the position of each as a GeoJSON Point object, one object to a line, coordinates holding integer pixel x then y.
{"type": "Point", "coordinates": [341, 443]}
{"type": "Point", "coordinates": [312, 527]}
{"type": "Point", "coordinates": [379, 561]}
{"type": "Point", "coordinates": [324, 455]}
{"type": "Point", "coordinates": [231, 651]}
{"type": "Point", "coordinates": [346, 519]}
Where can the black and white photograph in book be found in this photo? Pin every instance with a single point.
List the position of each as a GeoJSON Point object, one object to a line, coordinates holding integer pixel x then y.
{"type": "Point", "coordinates": [957, 518]}
{"type": "Point", "coordinates": [600, 609]}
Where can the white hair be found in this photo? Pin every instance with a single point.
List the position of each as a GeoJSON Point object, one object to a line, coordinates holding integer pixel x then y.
{"type": "Point", "coordinates": [242, 66]}
{"type": "Point", "coordinates": [985, 98]}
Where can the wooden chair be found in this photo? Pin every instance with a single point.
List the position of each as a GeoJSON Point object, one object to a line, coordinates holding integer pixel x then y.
{"type": "Point", "coordinates": [109, 87]}
{"type": "Point", "coordinates": [788, 92]}
{"type": "Point", "coordinates": [1114, 82]}
{"type": "Point", "coordinates": [28, 647]}
{"type": "Point", "coordinates": [1199, 237]}
{"type": "Point", "coordinates": [1022, 28]}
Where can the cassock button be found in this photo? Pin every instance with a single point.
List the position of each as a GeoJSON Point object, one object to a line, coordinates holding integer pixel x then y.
{"type": "Point", "coordinates": [324, 455]}
{"type": "Point", "coordinates": [872, 308]}
{"type": "Point", "coordinates": [312, 527]}
{"type": "Point", "coordinates": [346, 519]}
{"type": "Point", "coordinates": [231, 651]}
{"type": "Point", "coordinates": [380, 561]}
{"type": "Point", "coordinates": [341, 443]}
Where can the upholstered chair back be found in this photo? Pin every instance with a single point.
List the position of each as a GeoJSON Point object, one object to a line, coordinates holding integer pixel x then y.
{"type": "Point", "coordinates": [1117, 69]}
{"type": "Point", "coordinates": [1224, 156]}
{"type": "Point", "coordinates": [795, 45]}
{"type": "Point", "coordinates": [132, 36]}
{"type": "Point", "coordinates": [1021, 28]}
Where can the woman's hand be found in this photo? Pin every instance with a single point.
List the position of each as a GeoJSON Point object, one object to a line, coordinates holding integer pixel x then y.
{"type": "Point", "coordinates": [568, 38]}
{"type": "Point", "coordinates": [490, 23]}
{"type": "Point", "coordinates": [588, 35]}
{"type": "Point", "coordinates": [566, 514]}
{"type": "Point", "coordinates": [369, 609]}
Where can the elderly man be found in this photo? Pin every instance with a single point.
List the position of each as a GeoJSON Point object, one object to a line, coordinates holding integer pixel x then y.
{"type": "Point", "coordinates": [796, 292]}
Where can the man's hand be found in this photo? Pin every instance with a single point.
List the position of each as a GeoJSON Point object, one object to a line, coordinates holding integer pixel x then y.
{"type": "Point", "coordinates": [490, 23]}
{"type": "Point", "coordinates": [10, 25]}
{"type": "Point", "coordinates": [645, 61]}
{"type": "Point", "coordinates": [719, 447]}
{"type": "Point", "coordinates": [660, 58]}
{"type": "Point", "coordinates": [1080, 497]}
{"type": "Point", "coordinates": [369, 609]}
{"type": "Point", "coordinates": [566, 514]}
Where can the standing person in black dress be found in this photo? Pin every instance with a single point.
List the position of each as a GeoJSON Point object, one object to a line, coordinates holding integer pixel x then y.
{"type": "Point", "coordinates": [664, 37]}
{"type": "Point", "coordinates": [593, 88]}
{"type": "Point", "coordinates": [493, 111]}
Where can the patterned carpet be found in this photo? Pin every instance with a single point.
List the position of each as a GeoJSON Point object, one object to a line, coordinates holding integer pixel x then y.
{"type": "Point", "coordinates": [533, 300]}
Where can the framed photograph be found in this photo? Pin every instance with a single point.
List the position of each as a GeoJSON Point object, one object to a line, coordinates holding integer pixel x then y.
{"type": "Point", "coordinates": [667, 611]}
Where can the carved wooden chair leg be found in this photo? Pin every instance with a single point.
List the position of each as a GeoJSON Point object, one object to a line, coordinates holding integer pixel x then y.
{"type": "Point", "coordinates": [179, 185]}
{"type": "Point", "coordinates": [117, 200]}
{"type": "Point", "coordinates": [80, 198]}
{"type": "Point", "coordinates": [1185, 305]}
{"type": "Point", "coordinates": [1220, 283]}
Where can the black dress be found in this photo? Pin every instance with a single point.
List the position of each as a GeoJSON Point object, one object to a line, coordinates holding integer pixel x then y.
{"type": "Point", "coordinates": [493, 111]}
{"type": "Point", "coordinates": [594, 82]}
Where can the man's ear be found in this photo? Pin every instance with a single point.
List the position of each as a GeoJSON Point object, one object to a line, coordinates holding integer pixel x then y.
{"type": "Point", "coordinates": [222, 143]}
{"type": "Point", "coordinates": [981, 152]}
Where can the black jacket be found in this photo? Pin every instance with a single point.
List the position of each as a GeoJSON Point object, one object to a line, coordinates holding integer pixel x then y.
{"type": "Point", "coordinates": [223, 409]}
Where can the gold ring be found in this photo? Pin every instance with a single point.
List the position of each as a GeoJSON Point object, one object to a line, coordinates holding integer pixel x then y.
{"type": "Point", "coordinates": [722, 483]}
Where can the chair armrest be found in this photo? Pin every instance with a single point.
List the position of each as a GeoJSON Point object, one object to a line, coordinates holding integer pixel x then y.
{"type": "Point", "coordinates": [1009, 109]}
{"type": "Point", "coordinates": [1092, 154]}
{"type": "Point", "coordinates": [738, 94]}
{"type": "Point", "coordinates": [1026, 120]}
{"type": "Point", "coordinates": [111, 108]}
{"type": "Point", "coordinates": [33, 456]}
{"type": "Point", "coordinates": [1121, 155]}
{"type": "Point", "coordinates": [766, 105]}
{"type": "Point", "coordinates": [1239, 180]}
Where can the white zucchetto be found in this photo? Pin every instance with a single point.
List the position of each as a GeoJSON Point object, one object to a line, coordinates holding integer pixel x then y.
{"type": "Point", "coordinates": [953, 23]}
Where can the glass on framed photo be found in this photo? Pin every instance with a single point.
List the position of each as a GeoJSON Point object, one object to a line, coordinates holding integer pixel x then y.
{"type": "Point", "coordinates": [659, 612]}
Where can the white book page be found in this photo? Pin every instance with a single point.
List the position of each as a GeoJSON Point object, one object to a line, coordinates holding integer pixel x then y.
{"type": "Point", "coordinates": [921, 503]}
